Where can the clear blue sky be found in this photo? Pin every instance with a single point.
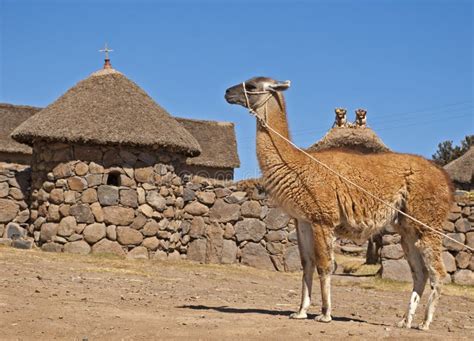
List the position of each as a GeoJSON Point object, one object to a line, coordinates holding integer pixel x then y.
{"type": "Point", "coordinates": [410, 63]}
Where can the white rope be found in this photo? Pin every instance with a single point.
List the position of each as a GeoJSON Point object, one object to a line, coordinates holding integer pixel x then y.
{"type": "Point", "coordinates": [265, 124]}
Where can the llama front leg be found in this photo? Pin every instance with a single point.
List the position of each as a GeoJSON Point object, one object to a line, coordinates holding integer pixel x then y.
{"type": "Point", "coordinates": [306, 248]}
{"type": "Point", "coordinates": [323, 249]}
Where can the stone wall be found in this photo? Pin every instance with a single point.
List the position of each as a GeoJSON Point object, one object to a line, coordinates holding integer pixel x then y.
{"type": "Point", "coordinates": [150, 211]}
{"type": "Point", "coordinates": [14, 211]}
{"type": "Point", "coordinates": [458, 260]}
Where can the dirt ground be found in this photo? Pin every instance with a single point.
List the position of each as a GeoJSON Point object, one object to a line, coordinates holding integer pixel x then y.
{"type": "Point", "coordinates": [61, 296]}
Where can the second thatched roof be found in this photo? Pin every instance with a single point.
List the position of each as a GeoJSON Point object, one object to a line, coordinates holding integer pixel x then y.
{"type": "Point", "coordinates": [363, 140]}
{"type": "Point", "coordinates": [107, 108]}
{"type": "Point", "coordinates": [11, 116]}
{"type": "Point", "coordinates": [217, 141]}
{"type": "Point", "coordinates": [461, 170]}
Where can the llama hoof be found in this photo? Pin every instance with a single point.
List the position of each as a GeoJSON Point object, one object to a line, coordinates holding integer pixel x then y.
{"type": "Point", "coordinates": [403, 324]}
{"type": "Point", "coordinates": [423, 326]}
{"type": "Point", "coordinates": [323, 318]}
{"type": "Point", "coordinates": [298, 316]}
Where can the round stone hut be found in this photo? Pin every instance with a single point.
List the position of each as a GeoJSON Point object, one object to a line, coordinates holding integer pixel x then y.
{"type": "Point", "coordinates": [105, 162]}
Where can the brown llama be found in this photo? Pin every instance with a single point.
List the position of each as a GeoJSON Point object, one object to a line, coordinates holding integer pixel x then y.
{"type": "Point", "coordinates": [325, 205]}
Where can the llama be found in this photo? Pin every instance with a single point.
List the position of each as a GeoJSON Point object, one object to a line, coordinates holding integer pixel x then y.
{"type": "Point", "coordinates": [324, 205]}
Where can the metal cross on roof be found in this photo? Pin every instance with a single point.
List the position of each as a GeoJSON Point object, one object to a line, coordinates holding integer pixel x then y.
{"type": "Point", "coordinates": [106, 50]}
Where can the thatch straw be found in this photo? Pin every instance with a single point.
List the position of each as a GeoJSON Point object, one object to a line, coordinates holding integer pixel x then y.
{"type": "Point", "coordinates": [363, 140]}
{"type": "Point", "coordinates": [217, 141]}
{"type": "Point", "coordinates": [11, 116]}
{"type": "Point", "coordinates": [107, 108]}
{"type": "Point", "coordinates": [461, 170]}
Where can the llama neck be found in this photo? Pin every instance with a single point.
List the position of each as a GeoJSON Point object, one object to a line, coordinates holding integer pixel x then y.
{"type": "Point", "coordinates": [272, 151]}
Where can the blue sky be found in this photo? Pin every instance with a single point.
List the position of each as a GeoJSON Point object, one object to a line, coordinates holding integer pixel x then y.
{"type": "Point", "coordinates": [410, 63]}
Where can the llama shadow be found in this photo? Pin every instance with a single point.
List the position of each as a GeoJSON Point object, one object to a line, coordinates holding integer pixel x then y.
{"type": "Point", "coordinates": [230, 310]}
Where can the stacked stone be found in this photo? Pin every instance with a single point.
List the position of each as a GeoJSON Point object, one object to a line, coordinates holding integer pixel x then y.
{"type": "Point", "coordinates": [229, 226]}
{"type": "Point", "coordinates": [14, 211]}
{"type": "Point", "coordinates": [458, 260]}
{"type": "Point", "coordinates": [76, 208]}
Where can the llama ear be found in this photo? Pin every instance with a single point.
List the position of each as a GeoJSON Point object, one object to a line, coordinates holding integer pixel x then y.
{"type": "Point", "coordinates": [280, 86]}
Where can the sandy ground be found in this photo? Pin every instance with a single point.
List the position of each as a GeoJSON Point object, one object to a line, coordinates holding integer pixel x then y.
{"type": "Point", "coordinates": [59, 296]}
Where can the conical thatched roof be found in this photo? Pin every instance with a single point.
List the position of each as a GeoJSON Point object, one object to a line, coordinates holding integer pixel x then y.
{"type": "Point", "coordinates": [363, 140]}
{"type": "Point", "coordinates": [11, 116]}
{"type": "Point", "coordinates": [461, 170]}
{"type": "Point", "coordinates": [217, 140]}
{"type": "Point", "coordinates": [107, 108]}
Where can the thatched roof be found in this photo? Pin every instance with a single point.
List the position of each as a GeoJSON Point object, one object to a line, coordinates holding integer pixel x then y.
{"type": "Point", "coordinates": [363, 140]}
{"type": "Point", "coordinates": [217, 141]}
{"type": "Point", "coordinates": [107, 108]}
{"type": "Point", "coordinates": [461, 170]}
{"type": "Point", "coordinates": [11, 116]}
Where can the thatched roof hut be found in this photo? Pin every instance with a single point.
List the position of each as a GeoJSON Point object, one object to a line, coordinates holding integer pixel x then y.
{"type": "Point", "coordinates": [461, 170]}
{"type": "Point", "coordinates": [217, 141]}
{"type": "Point", "coordinates": [363, 140]}
{"type": "Point", "coordinates": [12, 116]}
{"type": "Point", "coordinates": [107, 109]}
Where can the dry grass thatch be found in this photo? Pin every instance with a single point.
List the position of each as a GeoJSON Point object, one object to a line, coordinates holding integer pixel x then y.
{"type": "Point", "coordinates": [107, 108]}
{"type": "Point", "coordinates": [11, 116]}
{"type": "Point", "coordinates": [217, 141]}
{"type": "Point", "coordinates": [363, 140]}
{"type": "Point", "coordinates": [461, 170]}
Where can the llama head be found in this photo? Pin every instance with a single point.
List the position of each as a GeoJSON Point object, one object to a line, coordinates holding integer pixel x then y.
{"type": "Point", "coordinates": [340, 112]}
{"type": "Point", "coordinates": [255, 92]}
{"type": "Point", "coordinates": [361, 113]}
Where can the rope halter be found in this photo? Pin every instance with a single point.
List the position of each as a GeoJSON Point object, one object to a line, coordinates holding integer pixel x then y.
{"type": "Point", "coordinates": [252, 111]}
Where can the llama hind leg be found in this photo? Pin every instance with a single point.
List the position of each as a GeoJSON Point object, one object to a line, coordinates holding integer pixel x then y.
{"type": "Point", "coordinates": [436, 270]}
{"type": "Point", "coordinates": [306, 247]}
{"type": "Point", "coordinates": [419, 274]}
{"type": "Point", "coordinates": [324, 263]}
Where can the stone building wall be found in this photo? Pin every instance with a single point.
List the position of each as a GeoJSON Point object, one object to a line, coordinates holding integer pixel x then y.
{"type": "Point", "coordinates": [14, 210]}
{"type": "Point", "coordinates": [458, 260]}
{"type": "Point", "coordinates": [148, 211]}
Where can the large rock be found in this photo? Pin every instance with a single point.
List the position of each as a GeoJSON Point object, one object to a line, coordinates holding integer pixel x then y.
{"type": "Point", "coordinates": [79, 247]}
{"type": "Point", "coordinates": [276, 219]}
{"type": "Point", "coordinates": [56, 196]}
{"type": "Point", "coordinates": [449, 261]}
{"type": "Point", "coordinates": [453, 246]}
{"type": "Point", "coordinates": [129, 197]}
{"type": "Point", "coordinates": [24, 244]}
{"type": "Point", "coordinates": [470, 239]}
{"type": "Point", "coordinates": [128, 236]}
{"type": "Point", "coordinates": [251, 209]}
{"type": "Point", "coordinates": [236, 197]}
{"type": "Point", "coordinates": [48, 231]}
{"type": "Point", "coordinates": [197, 250]}
{"type": "Point", "coordinates": [118, 215]}
{"type": "Point", "coordinates": [52, 247]}
{"type": "Point", "coordinates": [156, 201]}
{"type": "Point", "coordinates": [397, 270]}
{"type": "Point", "coordinates": [275, 236]}
{"type": "Point", "coordinates": [393, 251]}
{"type": "Point", "coordinates": [223, 212]}
{"type": "Point", "coordinates": [292, 259]}
{"type": "Point", "coordinates": [198, 227]}
{"type": "Point", "coordinates": [151, 228]}
{"type": "Point", "coordinates": [207, 198]}
{"type": "Point", "coordinates": [250, 229]}
{"type": "Point", "coordinates": [196, 208]}
{"type": "Point", "coordinates": [77, 184]}
{"type": "Point", "coordinates": [8, 210]}
{"type": "Point", "coordinates": [107, 246]}
{"type": "Point", "coordinates": [463, 259]}
{"type": "Point", "coordinates": [464, 277]}
{"type": "Point", "coordinates": [255, 255]}
{"type": "Point", "coordinates": [94, 232]}
{"type": "Point", "coordinates": [151, 243]}
{"type": "Point", "coordinates": [229, 252]}
{"type": "Point", "coordinates": [67, 226]}
{"type": "Point", "coordinates": [62, 170]}
{"type": "Point", "coordinates": [215, 241]}
{"type": "Point", "coordinates": [82, 213]}
{"type": "Point", "coordinates": [4, 188]}
{"type": "Point", "coordinates": [139, 252]}
{"type": "Point", "coordinates": [89, 196]}
{"type": "Point", "coordinates": [14, 231]}
{"type": "Point", "coordinates": [462, 225]}
{"type": "Point", "coordinates": [108, 195]}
